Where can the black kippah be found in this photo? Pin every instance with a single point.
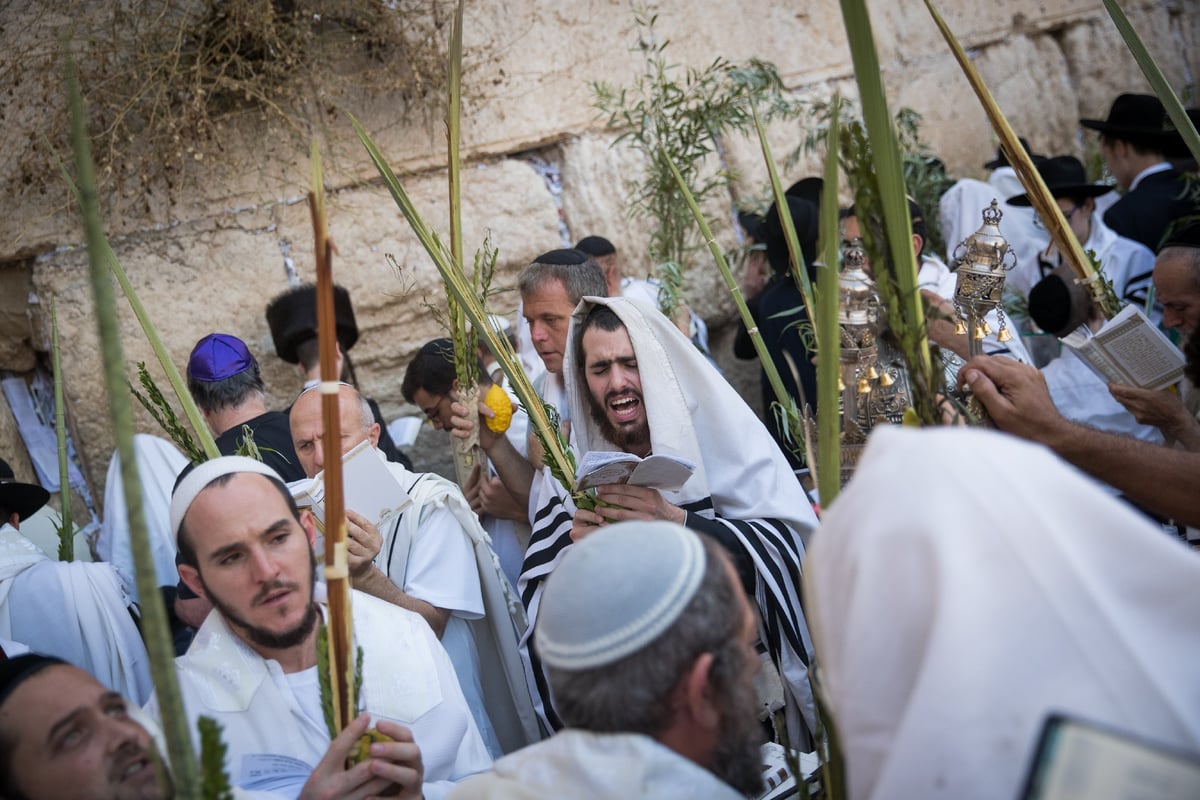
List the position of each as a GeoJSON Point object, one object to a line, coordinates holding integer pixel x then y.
{"type": "Point", "coordinates": [15, 671]}
{"type": "Point", "coordinates": [1050, 305]}
{"type": "Point", "coordinates": [595, 246]}
{"type": "Point", "coordinates": [564, 257]}
{"type": "Point", "coordinates": [1184, 236]}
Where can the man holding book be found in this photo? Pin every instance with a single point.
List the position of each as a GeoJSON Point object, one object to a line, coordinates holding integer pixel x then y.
{"type": "Point", "coordinates": [740, 490]}
{"type": "Point", "coordinates": [1177, 285]}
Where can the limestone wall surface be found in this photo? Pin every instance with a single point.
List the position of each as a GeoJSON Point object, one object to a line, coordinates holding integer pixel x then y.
{"type": "Point", "coordinates": [205, 241]}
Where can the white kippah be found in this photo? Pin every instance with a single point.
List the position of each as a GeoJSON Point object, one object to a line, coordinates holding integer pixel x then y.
{"type": "Point", "coordinates": [616, 592]}
{"type": "Point", "coordinates": [185, 493]}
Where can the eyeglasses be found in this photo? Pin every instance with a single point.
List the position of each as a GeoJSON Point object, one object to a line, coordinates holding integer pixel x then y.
{"type": "Point", "coordinates": [432, 412]}
{"type": "Point", "coordinates": [1040, 224]}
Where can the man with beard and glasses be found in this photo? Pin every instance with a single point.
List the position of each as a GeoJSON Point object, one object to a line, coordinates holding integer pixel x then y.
{"type": "Point", "coordinates": [649, 643]}
{"type": "Point", "coordinates": [64, 734]}
{"type": "Point", "coordinates": [252, 667]}
{"type": "Point", "coordinates": [636, 384]}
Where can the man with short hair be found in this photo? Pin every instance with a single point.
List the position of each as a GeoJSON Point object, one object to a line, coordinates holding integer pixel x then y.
{"type": "Point", "coordinates": [1131, 141]}
{"type": "Point", "coordinates": [551, 286]}
{"type": "Point", "coordinates": [436, 561]}
{"type": "Point", "coordinates": [431, 383]}
{"type": "Point", "coordinates": [638, 385]}
{"type": "Point", "coordinates": [252, 667]}
{"type": "Point", "coordinates": [649, 645]}
{"type": "Point", "coordinates": [64, 734]}
{"type": "Point", "coordinates": [225, 381]}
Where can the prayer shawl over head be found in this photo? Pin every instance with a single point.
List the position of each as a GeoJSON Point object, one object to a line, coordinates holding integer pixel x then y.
{"type": "Point", "coordinates": [742, 481]}
{"type": "Point", "coordinates": [949, 626]}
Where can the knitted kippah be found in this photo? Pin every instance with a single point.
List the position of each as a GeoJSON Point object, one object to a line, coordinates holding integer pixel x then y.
{"type": "Point", "coordinates": [218, 356]}
{"type": "Point", "coordinates": [616, 592]}
{"type": "Point", "coordinates": [563, 257]}
{"type": "Point", "coordinates": [195, 481]}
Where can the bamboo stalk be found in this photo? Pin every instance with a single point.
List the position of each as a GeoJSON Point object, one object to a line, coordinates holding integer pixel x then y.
{"type": "Point", "coordinates": [337, 573]}
{"type": "Point", "coordinates": [1043, 202]}
{"type": "Point", "coordinates": [768, 364]}
{"type": "Point", "coordinates": [829, 439]}
{"type": "Point", "coordinates": [798, 267]}
{"type": "Point", "coordinates": [154, 618]}
{"type": "Point", "coordinates": [558, 456]}
{"type": "Point", "coordinates": [1154, 75]}
{"type": "Point", "coordinates": [66, 528]}
{"type": "Point", "coordinates": [889, 169]}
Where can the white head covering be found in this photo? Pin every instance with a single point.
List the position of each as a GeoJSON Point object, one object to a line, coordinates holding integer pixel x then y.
{"type": "Point", "coordinates": [689, 403]}
{"type": "Point", "coordinates": [616, 592]}
{"type": "Point", "coordinates": [950, 623]}
{"type": "Point", "coordinates": [196, 480]}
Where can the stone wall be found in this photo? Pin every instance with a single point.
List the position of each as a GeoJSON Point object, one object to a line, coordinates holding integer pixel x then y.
{"type": "Point", "coordinates": [205, 243]}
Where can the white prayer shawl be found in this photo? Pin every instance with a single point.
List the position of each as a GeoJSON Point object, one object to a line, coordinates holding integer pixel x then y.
{"type": "Point", "coordinates": [158, 464]}
{"type": "Point", "coordinates": [73, 610]}
{"type": "Point", "coordinates": [742, 480]}
{"type": "Point", "coordinates": [949, 624]}
{"type": "Point", "coordinates": [273, 744]}
{"type": "Point", "coordinates": [595, 766]}
{"type": "Point", "coordinates": [499, 671]}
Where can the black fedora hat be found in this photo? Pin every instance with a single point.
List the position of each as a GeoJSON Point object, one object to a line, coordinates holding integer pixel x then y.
{"type": "Point", "coordinates": [1064, 177]}
{"type": "Point", "coordinates": [23, 498]}
{"type": "Point", "coordinates": [1133, 117]}
{"type": "Point", "coordinates": [1001, 159]}
{"type": "Point", "coordinates": [292, 318]}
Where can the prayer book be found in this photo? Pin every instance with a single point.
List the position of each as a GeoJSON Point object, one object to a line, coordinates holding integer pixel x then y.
{"type": "Point", "coordinates": [655, 471]}
{"type": "Point", "coordinates": [1129, 349]}
{"type": "Point", "coordinates": [369, 486]}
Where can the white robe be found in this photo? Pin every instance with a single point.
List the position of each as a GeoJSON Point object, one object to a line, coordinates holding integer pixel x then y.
{"type": "Point", "coordinates": [73, 610]}
{"type": "Point", "coordinates": [437, 551]}
{"type": "Point", "coordinates": [273, 744]}
{"type": "Point", "coordinates": [955, 602]}
{"type": "Point", "coordinates": [595, 766]}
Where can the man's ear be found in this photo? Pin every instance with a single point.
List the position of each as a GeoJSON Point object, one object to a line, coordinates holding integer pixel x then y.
{"type": "Point", "coordinates": [309, 523]}
{"type": "Point", "coordinates": [697, 698]}
{"type": "Point", "coordinates": [373, 434]}
{"type": "Point", "coordinates": [918, 244]}
{"type": "Point", "coordinates": [191, 576]}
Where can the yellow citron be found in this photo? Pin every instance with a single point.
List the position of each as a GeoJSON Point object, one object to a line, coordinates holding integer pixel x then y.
{"type": "Point", "coordinates": [497, 400]}
{"type": "Point", "coordinates": [362, 750]}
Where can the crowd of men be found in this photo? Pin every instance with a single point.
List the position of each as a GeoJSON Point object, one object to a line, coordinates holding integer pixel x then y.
{"type": "Point", "coordinates": [516, 639]}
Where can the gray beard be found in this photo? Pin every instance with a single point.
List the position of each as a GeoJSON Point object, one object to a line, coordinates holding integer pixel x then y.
{"type": "Point", "coordinates": [737, 757]}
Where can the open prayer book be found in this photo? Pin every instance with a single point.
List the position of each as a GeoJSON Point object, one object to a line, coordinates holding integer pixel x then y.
{"type": "Point", "coordinates": [602, 467]}
{"type": "Point", "coordinates": [370, 488]}
{"type": "Point", "coordinates": [1129, 349]}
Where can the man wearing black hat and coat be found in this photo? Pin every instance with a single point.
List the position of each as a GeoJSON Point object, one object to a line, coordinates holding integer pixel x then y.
{"type": "Point", "coordinates": [1131, 141]}
{"type": "Point", "coordinates": [292, 318]}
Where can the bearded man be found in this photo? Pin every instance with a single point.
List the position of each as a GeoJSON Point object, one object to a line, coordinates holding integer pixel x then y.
{"type": "Point", "coordinates": [742, 493]}
{"type": "Point", "coordinates": [244, 546]}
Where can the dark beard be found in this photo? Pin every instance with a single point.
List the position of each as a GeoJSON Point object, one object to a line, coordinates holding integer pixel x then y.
{"type": "Point", "coordinates": [629, 439]}
{"type": "Point", "coordinates": [263, 637]}
{"type": "Point", "coordinates": [737, 757]}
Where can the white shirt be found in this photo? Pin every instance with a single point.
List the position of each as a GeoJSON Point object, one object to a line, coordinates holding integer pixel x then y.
{"type": "Point", "coordinates": [595, 766]}
{"type": "Point", "coordinates": [273, 744]}
{"type": "Point", "coordinates": [1161, 166]}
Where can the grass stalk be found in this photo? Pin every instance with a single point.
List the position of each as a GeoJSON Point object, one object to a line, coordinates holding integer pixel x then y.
{"type": "Point", "coordinates": [829, 439]}
{"type": "Point", "coordinates": [66, 525]}
{"type": "Point", "coordinates": [1043, 202]}
{"type": "Point", "coordinates": [768, 364]}
{"type": "Point", "coordinates": [154, 619]}
{"type": "Point", "coordinates": [559, 458]}
{"type": "Point", "coordinates": [1155, 76]}
{"type": "Point", "coordinates": [888, 168]}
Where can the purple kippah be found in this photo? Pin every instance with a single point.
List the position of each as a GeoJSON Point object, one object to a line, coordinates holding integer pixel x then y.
{"type": "Point", "coordinates": [218, 356]}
